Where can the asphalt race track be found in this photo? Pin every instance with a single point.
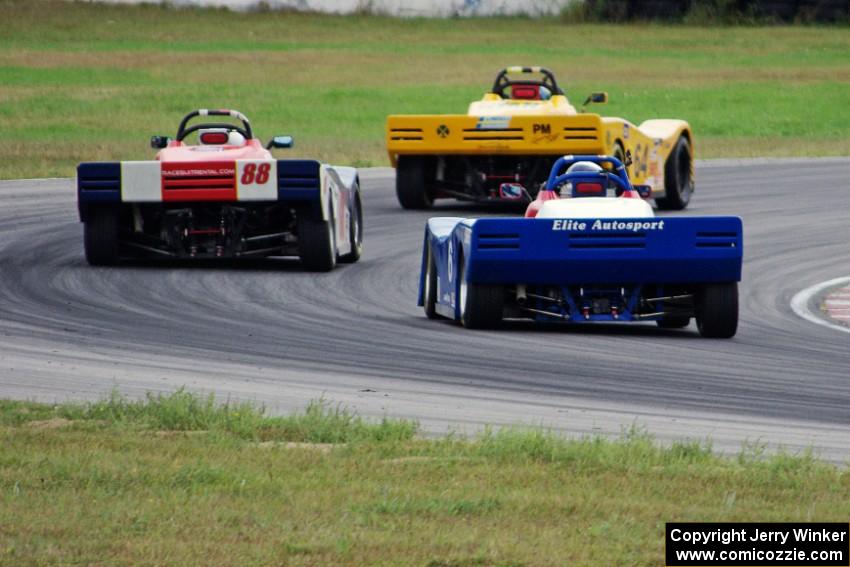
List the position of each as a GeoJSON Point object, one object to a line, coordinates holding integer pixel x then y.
{"type": "Point", "coordinates": [267, 331]}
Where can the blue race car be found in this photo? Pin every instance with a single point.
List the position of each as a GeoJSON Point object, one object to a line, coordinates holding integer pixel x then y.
{"type": "Point", "coordinates": [589, 249]}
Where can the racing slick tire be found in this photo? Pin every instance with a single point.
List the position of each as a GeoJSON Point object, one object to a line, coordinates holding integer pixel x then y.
{"type": "Point", "coordinates": [673, 322]}
{"type": "Point", "coordinates": [100, 238]}
{"type": "Point", "coordinates": [717, 310]}
{"type": "Point", "coordinates": [411, 183]}
{"type": "Point", "coordinates": [429, 294]}
{"type": "Point", "coordinates": [481, 305]}
{"type": "Point", "coordinates": [355, 232]}
{"type": "Point", "coordinates": [620, 154]}
{"type": "Point", "coordinates": [316, 244]}
{"type": "Point", "coordinates": [678, 178]}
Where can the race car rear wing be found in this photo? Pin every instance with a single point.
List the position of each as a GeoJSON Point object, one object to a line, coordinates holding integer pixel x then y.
{"type": "Point", "coordinates": [659, 250]}
{"type": "Point", "coordinates": [233, 181]}
{"type": "Point", "coordinates": [506, 135]}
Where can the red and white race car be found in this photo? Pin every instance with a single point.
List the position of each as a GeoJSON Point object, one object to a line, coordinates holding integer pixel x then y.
{"type": "Point", "coordinates": [225, 196]}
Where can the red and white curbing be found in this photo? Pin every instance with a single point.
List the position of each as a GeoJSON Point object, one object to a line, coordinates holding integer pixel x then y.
{"type": "Point", "coordinates": [837, 305]}
{"type": "Point", "coordinates": [834, 309]}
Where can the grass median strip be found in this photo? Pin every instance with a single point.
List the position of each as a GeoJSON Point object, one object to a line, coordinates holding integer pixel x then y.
{"type": "Point", "coordinates": [86, 82]}
{"type": "Point", "coordinates": [179, 479]}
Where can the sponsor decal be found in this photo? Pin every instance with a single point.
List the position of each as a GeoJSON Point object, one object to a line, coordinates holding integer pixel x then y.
{"type": "Point", "coordinates": [654, 165]}
{"type": "Point", "coordinates": [182, 181]}
{"type": "Point", "coordinates": [636, 162]}
{"type": "Point", "coordinates": [600, 225]}
{"type": "Point", "coordinates": [443, 130]}
{"type": "Point", "coordinates": [541, 129]}
{"type": "Point", "coordinates": [640, 161]}
{"type": "Point", "coordinates": [451, 261]}
{"type": "Point", "coordinates": [197, 172]}
{"type": "Point", "coordinates": [493, 122]}
{"type": "Point", "coordinates": [653, 168]}
{"type": "Point", "coordinates": [625, 131]}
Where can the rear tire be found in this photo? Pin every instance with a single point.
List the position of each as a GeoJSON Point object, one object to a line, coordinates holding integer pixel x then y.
{"type": "Point", "coordinates": [411, 183]}
{"type": "Point", "coordinates": [717, 310]}
{"type": "Point", "coordinates": [678, 178]}
{"type": "Point", "coordinates": [673, 322]}
{"type": "Point", "coordinates": [355, 232]}
{"type": "Point", "coordinates": [429, 294]}
{"type": "Point", "coordinates": [101, 236]}
{"type": "Point", "coordinates": [317, 244]}
{"type": "Point", "coordinates": [620, 154]}
{"type": "Point", "coordinates": [481, 305]}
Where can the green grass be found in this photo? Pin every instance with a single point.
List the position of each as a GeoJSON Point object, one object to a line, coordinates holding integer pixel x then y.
{"type": "Point", "coordinates": [184, 411]}
{"type": "Point", "coordinates": [181, 480]}
{"type": "Point", "coordinates": [82, 82]}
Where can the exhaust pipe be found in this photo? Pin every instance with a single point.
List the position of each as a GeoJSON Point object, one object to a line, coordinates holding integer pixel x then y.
{"type": "Point", "coordinates": [521, 297]}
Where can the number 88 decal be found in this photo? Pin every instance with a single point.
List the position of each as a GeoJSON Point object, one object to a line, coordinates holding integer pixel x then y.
{"type": "Point", "coordinates": [253, 174]}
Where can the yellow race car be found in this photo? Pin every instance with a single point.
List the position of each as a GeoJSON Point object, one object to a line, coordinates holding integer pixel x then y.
{"type": "Point", "coordinates": [515, 133]}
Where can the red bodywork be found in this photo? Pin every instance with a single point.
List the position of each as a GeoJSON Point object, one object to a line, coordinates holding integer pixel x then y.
{"type": "Point", "coordinates": [180, 152]}
{"type": "Point", "coordinates": [204, 172]}
{"type": "Point", "coordinates": [542, 196]}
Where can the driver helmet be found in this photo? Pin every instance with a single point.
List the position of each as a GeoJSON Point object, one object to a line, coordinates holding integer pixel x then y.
{"type": "Point", "coordinates": [235, 139]}
{"type": "Point", "coordinates": [566, 190]}
{"type": "Point", "coordinates": [586, 166]}
{"type": "Point", "coordinates": [545, 93]}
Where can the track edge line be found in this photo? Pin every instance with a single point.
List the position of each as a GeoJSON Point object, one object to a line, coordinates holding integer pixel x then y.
{"type": "Point", "coordinates": [800, 303]}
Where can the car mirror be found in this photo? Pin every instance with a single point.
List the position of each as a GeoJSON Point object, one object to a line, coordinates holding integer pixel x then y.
{"type": "Point", "coordinates": [281, 142]}
{"type": "Point", "coordinates": [159, 142]}
{"type": "Point", "coordinates": [596, 98]}
{"type": "Point", "coordinates": [645, 191]}
{"type": "Point", "coordinates": [511, 191]}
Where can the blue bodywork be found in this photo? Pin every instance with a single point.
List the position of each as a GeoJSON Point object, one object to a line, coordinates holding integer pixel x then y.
{"type": "Point", "coordinates": [583, 269]}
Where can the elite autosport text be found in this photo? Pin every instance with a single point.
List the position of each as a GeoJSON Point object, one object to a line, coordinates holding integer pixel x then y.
{"type": "Point", "coordinates": [600, 225]}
